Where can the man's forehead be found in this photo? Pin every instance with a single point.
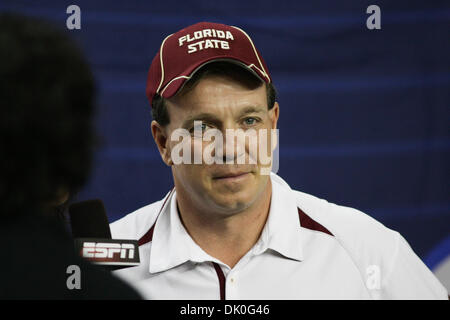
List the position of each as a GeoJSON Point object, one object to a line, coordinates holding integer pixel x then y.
{"type": "Point", "coordinates": [218, 94]}
{"type": "Point", "coordinates": [238, 111]}
{"type": "Point", "coordinates": [217, 111]}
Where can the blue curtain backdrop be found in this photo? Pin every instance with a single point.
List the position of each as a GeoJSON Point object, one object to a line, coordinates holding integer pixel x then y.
{"type": "Point", "coordinates": [365, 114]}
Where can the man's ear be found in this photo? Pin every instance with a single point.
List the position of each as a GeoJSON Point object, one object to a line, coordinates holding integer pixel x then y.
{"type": "Point", "coordinates": [162, 142]}
{"type": "Point", "coordinates": [274, 114]}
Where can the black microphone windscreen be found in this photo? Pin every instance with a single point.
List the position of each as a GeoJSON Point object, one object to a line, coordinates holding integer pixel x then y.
{"type": "Point", "coordinates": [88, 220]}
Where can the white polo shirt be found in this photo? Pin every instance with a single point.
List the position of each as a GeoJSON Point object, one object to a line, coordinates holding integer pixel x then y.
{"type": "Point", "coordinates": [308, 249]}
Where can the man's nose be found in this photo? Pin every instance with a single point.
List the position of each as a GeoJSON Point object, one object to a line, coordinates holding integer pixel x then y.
{"type": "Point", "coordinates": [233, 145]}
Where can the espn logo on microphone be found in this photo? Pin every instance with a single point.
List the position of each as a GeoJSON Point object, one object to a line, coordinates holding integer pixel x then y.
{"type": "Point", "coordinates": [107, 252]}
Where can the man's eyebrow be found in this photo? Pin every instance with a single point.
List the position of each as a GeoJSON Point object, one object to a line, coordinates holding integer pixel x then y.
{"type": "Point", "coordinates": [212, 118]}
{"type": "Point", "coordinates": [209, 117]}
{"type": "Point", "coordinates": [251, 109]}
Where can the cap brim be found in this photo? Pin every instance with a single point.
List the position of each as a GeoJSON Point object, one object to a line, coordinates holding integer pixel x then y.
{"type": "Point", "coordinates": [177, 84]}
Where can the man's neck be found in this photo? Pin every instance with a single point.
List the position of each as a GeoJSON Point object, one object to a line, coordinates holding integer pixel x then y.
{"type": "Point", "coordinates": [227, 238]}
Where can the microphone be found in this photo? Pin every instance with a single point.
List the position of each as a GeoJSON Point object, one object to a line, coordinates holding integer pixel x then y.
{"type": "Point", "coordinates": [88, 220]}
{"type": "Point", "coordinates": [90, 228]}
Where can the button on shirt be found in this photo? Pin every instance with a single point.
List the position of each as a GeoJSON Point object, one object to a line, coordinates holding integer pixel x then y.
{"type": "Point", "coordinates": [308, 249]}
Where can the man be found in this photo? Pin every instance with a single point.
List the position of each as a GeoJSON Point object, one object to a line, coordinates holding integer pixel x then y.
{"type": "Point", "coordinates": [230, 230]}
{"type": "Point", "coordinates": [46, 143]}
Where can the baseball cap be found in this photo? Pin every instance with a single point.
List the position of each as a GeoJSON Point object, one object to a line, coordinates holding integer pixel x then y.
{"type": "Point", "coordinates": [183, 53]}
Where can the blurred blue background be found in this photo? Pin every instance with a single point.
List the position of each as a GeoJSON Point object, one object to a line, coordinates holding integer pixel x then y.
{"type": "Point", "coordinates": [365, 114]}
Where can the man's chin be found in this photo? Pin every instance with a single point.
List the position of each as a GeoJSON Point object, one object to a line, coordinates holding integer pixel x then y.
{"type": "Point", "coordinates": [231, 202]}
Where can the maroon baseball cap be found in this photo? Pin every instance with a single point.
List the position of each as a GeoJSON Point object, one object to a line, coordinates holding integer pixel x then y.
{"type": "Point", "coordinates": [183, 53]}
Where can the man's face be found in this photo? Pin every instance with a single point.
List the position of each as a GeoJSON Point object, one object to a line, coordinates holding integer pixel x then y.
{"type": "Point", "coordinates": [221, 103]}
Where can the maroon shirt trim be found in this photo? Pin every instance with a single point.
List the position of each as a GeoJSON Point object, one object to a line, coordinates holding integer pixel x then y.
{"type": "Point", "coordinates": [148, 236]}
{"type": "Point", "coordinates": [308, 223]}
{"type": "Point", "coordinates": [221, 277]}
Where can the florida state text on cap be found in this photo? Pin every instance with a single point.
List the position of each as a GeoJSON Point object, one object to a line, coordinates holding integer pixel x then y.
{"type": "Point", "coordinates": [181, 54]}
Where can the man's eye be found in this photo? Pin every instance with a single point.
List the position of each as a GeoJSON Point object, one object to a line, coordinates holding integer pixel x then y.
{"type": "Point", "coordinates": [250, 121]}
{"type": "Point", "coordinates": [200, 128]}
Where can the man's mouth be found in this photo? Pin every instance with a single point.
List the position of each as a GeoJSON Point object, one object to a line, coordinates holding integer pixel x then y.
{"type": "Point", "coordinates": [231, 176]}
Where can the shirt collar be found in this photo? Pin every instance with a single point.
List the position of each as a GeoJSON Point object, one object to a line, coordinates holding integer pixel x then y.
{"type": "Point", "coordinates": [172, 245]}
{"type": "Point", "coordinates": [281, 232]}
